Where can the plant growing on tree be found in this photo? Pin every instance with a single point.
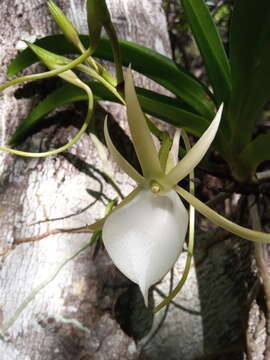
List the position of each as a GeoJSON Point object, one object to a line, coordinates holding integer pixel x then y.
{"type": "Point", "coordinates": [240, 90]}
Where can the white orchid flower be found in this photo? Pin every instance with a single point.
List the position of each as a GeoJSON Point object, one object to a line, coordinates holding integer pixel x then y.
{"type": "Point", "coordinates": [144, 234]}
{"type": "Point", "coordinates": [144, 238]}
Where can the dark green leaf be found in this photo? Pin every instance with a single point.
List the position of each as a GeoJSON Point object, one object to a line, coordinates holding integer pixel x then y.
{"type": "Point", "coordinates": [211, 47]}
{"type": "Point", "coordinates": [250, 59]}
{"type": "Point", "coordinates": [150, 63]}
{"type": "Point", "coordinates": [152, 103]}
{"type": "Point", "coordinates": [255, 153]}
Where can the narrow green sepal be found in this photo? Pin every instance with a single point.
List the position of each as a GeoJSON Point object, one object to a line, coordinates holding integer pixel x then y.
{"type": "Point", "coordinates": [219, 220]}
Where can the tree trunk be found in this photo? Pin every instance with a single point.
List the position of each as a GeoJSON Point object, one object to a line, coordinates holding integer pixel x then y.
{"type": "Point", "coordinates": [74, 316]}
{"type": "Point", "coordinates": [90, 311]}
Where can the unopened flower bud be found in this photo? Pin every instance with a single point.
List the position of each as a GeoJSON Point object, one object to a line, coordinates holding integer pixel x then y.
{"type": "Point", "coordinates": [64, 24]}
{"type": "Point", "coordinates": [54, 61]}
{"type": "Point", "coordinates": [97, 15]}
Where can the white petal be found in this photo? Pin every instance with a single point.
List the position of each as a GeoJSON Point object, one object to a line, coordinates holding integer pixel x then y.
{"type": "Point", "coordinates": [145, 237]}
{"type": "Point", "coordinates": [174, 152]}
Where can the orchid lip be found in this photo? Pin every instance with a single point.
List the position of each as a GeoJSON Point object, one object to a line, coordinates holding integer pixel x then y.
{"type": "Point", "coordinates": [145, 237]}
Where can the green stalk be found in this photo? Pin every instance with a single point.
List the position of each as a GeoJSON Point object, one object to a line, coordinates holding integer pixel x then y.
{"type": "Point", "coordinates": [99, 78]}
{"type": "Point", "coordinates": [70, 143]}
{"type": "Point", "coordinates": [48, 74]}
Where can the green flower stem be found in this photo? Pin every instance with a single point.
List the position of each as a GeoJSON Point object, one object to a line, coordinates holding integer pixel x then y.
{"type": "Point", "coordinates": [191, 236]}
{"type": "Point", "coordinates": [106, 75]}
{"type": "Point", "coordinates": [221, 221]}
{"type": "Point", "coordinates": [89, 60]}
{"type": "Point", "coordinates": [99, 78]}
{"type": "Point", "coordinates": [109, 207]}
{"type": "Point", "coordinates": [48, 74]}
{"type": "Point", "coordinates": [95, 65]}
{"type": "Point", "coordinates": [70, 143]}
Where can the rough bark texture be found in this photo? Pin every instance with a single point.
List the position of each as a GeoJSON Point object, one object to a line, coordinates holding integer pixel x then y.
{"type": "Point", "coordinates": [36, 190]}
{"type": "Point", "coordinates": [207, 317]}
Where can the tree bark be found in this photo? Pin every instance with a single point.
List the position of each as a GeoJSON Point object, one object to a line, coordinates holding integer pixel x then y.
{"type": "Point", "coordinates": [73, 317]}
{"type": "Point", "coordinates": [90, 311]}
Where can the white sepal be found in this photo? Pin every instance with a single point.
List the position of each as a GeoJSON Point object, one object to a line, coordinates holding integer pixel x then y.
{"type": "Point", "coordinates": [145, 237]}
{"type": "Point", "coordinates": [140, 133]}
{"type": "Point", "coordinates": [121, 161]}
{"type": "Point", "coordinates": [195, 155]}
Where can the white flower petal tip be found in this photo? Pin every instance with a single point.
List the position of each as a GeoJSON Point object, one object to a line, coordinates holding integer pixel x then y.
{"type": "Point", "coordinates": [145, 237]}
{"type": "Point", "coordinates": [145, 291]}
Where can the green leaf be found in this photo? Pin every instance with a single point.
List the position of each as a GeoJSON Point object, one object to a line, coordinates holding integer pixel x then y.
{"type": "Point", "coordinates": [211, 47]}
{"type": "Point", "coordinates": [161, 106]}
{"type": "Point", "coordinates": [146, 61]}
{"type": "Point", "coordinates": [250, 59]}
{"type": "Point", "coordinates": [169, 110]}
{"type": "Point", "coordinates": [64, 95]}
{"type": "Point", "coordinates": [255, 153]}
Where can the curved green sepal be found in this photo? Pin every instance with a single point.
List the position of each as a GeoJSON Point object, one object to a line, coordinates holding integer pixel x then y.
{"type": "Point", "coordinates": [221, 221]}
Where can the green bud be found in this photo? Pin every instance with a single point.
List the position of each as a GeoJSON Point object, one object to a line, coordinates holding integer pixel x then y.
{"type": "Point", "coordinates": [97, 15]}
{"type": "Point", "coordinates": [98, 10]}
{"type": "Point", "coordinates": [51, 60]}
{"type": "Point", "coordinates": [64, 24]}
{"type": "Point", "coordinates": [54, 61]}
